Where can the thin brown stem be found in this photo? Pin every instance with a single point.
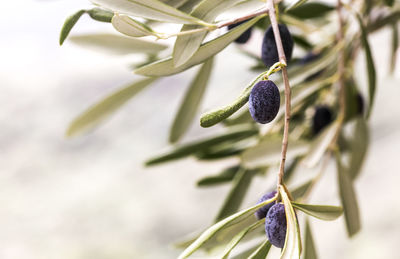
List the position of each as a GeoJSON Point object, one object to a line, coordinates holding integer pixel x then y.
{"type": "Point", "coordinates": [282, 59]}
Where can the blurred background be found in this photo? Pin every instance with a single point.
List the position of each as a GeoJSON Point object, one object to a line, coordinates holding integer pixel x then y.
{"type": "Point", "coordinates": [91, 197]}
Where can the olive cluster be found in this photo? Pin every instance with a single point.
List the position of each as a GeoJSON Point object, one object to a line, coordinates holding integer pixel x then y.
{"type": "Point", "coordinates": [264, 100]}
{"type": "Point", "coordinates": [275, 220]}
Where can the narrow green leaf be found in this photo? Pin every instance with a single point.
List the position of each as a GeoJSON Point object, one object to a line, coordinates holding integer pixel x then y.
{"type": "Point", "coordinates": [268, 152]}
{"type": "Point", "coordinates": [290, 168]}
{"type": "Point", "coordinates": [295, 4]}
{"type": "Point", "coordinates": [234, 134]}
{"type": "Point", "coordinates": [240, 185]}
{"type": "Point", "coordinates": [213, 117]}
{"type": "Point", "coordinates": [236, 239]}
{"type": "Point", "coordinates": [166, 67]}
{"type": "Point", "coordinates": [150, 9]}
{"type": "Point", "coordinates": [311, 10]}
{"type": "Point", "coordinates": [219, 152]}
{"type": "Point", "coordinates": [302, 42]}
{"type": "Point", "coordinates": [319, 211]}
{"type": "Point", "coordinates": [370, 65]}
{"type": "Point", "coordinates": [380, 22]}
{"type": "Point", "coordinates": [262, 251]}
{"type": "Point", "coordinates": [301, 190]}
{"type": "Point", "coordinates": [348, 198]}
{"type": "Point", "coordinates": [186, 45]}
{"type": "Point", "coordinates": [395, 46]}
{"type": "Point", "coordinates": [175, 3]}
{"type": "Point", "coordinates": [223, 224]}
{"type": "Point", "coordinates": [103, 109]}
{"type": "Point", "coordinates": [68, 24]}
{"type": "Point", "coordinates": [100, 15]}
{"type": "Point", "coordinates": [189, 5]}
{"type": "Point", "coordinates": [191, 102]}
{"type": "Point", "coordinates": [116, 44]}
{"type": "Point", "coordinates": [309, 251]}
{"type": "Point", "coordinates": [292, 248]}
{"type": "Point", "coordinates": [248, 251]}
{"type": "Point", "coordinates": [320, 145]}
{"type": "Point", "coordinates": [128, 26]}
{"type": "Point", "coordinates": [358, 146]}
{"type": "Point", "coordinates": [225, 176]}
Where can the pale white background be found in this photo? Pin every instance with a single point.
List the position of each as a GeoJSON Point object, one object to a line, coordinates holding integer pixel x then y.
{"type": "Point", "coordinates": [90, 197]}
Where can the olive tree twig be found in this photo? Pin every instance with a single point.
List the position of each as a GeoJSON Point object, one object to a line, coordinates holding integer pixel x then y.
{"type": "Point", "coordinates": [282, 59]}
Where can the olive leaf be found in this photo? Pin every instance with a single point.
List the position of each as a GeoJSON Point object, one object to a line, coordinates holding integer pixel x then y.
{"type": "Point", "coordinates": [221, 225]}
{"type": "Point", "coordinates": [309, 251]}
{"type": "Point", "coordinates": [116, 44]}
{"type": "Point", "coordinates": [69, 24]}
{"type": "Point", "coordinates": [233, 134]}
{"type": "Point", "coordinates": [299, 192]}
{"type": "Point", "coordinates": [268, 152]}
{"type": "Point", "coordinates": [166, 67]}
{"type": "Point", "coordinates": [191, 102]}
{"type": "Point", "coordinates": [103, 109]}
{"type": "Point", "coordinates": [225, 176]}
{"type": "Point", "coordinates": [131, 27]}
{"type": "Point", "coordinates": [187, 45]}
{"type": "Point", "coordinates": [236, 239]}
{"type": "Point", "coordinates": [370, 65]}
{"type": "Point", "coordinates": [348, 198]}
{"type": "Point", "coordinates": [150, 9]}
{"type": "Point", "coordinates": [292, 248]}
{"type": "Point", "coordinates": [262, 251]}
{"type": "Point", "coordinates": [175, 3]}
{"type": "Point", "coordinates": [189, 5]}
{"type": "Point", "coordinates": [95, 13]}
{"type": "Point", "coordinates": [321, 144]}
{"type": "Point", "coordinates": [358, 146]}
{"type": "Point", "coordinates": [320, 211]}
{"type": "Point", "coordinates": [240, 185]}
{"type": "Point", "coordinates": [310, 10]}
{"type": "Point", "coordinates": [395, 46]}
{"type": "Point", "coordinates": [213, 117]}
{"type": "Point", "coordinates": [220, 152]}
{"type": "Point", "coordinates": [295, 4]}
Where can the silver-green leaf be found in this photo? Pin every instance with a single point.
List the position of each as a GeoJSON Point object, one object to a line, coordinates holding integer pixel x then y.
{"type": "Point", "coordinates": [240, 185]}
{"type": "Point", "coordinates": [292, 248]}
{"type": "Point", "coordinates": [321, 144]}
{"type": "Point", "coordinates": [131, 27]}
{"type": "Point", "coordinates": [268, 152]}
{"type": "Point", "coordinates": [358, 146]}
{"type": "Point", "coordinates": [166, 67]}
{"type": "Point", "coordinates": [116, 44]}
{"type": "Point", "coordinates": [309, 251]}
{"type": "Point", "coordinates": [106, 107]}
{"type": "Point", "coordinates": [236, 239]}
{"type": "Point", "coordinates": [150, 9]}
{"type": "Point", "coordinates": [262, 251]}
{"type": "Point", "coordinates": [223, 224]}
{"type": "Point", "coordinates": [186, 45]}
{"type": "Point", "coordinates": [191, 102]}
{"type": "Point", "coordinates": [348, 198]}
{"type": "Point", "coordinates": [320, 211]}
{"type": "Point", "coordinates": [370, 65]}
